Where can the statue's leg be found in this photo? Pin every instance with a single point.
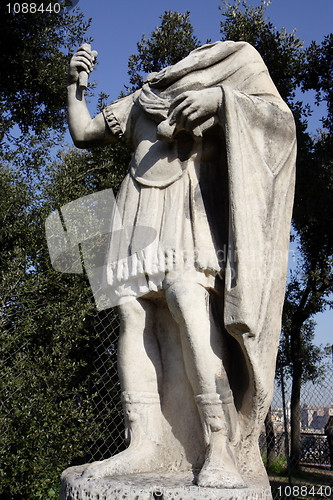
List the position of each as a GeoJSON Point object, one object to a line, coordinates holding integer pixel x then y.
{"type": "Point", "coordinates": [139, 368]}
{"type": "Point", "coordinates": [202, 351]}
{"type": "Point", "coordinates": [139, 363]}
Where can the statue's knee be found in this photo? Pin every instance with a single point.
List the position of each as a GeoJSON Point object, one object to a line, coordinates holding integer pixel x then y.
{"type": "Point", "coordinates": [174, 293]}
{"type": "Point", "coordinates": [131, 313]}
{"type": "Point", "coordinates": [183, 290]}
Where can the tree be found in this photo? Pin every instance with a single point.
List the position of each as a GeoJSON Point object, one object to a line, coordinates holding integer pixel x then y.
{"type": "Point", "coordinates": [36, 329]}
{"type": "Point", "coordinates": [34, 67]}
{"type": "Point", "coordinates": [169, 43]}
{"type": "Point", "coordinates": [319, 75]}
{"type": "Point", "coordinates": [308, 292]}
{"type": "Point", "coordinates": [282, 52]}
{"type": "Point", "coordinates": [51, 373]}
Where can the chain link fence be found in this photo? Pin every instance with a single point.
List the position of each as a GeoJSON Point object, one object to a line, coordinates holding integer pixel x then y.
{"type": "Point", "coordinates": [312, 477]}
{"type": "Point", "coordinates": [95, 396]}
{"type": "Point", "coordinates": [108, 438]}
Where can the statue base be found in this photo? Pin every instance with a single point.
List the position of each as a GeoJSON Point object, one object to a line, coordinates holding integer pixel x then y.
{"type": "Point", "coordinates": [152, 486]}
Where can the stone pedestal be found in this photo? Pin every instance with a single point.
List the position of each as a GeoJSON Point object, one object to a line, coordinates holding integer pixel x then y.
{"type": "Point", "coordinates": [153, 486]}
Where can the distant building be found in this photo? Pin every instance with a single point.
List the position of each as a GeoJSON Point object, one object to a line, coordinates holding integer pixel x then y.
{"type": "Point", "coordinates": [313, 418]}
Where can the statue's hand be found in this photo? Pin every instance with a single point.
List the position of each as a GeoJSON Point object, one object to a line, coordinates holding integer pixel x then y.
{"type": "Point", "coordinates": [194, 107]}
{"type": "Point", "coordinates": [161, 79]}
{"type": "Point", "coordinates": [82, 60]}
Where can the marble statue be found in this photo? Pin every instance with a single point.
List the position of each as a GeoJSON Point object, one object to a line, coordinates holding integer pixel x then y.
{"type": "Point", "coordinates": [200, 307]}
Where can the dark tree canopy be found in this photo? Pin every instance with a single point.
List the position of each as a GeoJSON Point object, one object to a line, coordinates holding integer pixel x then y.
{"type": "Point", "coordinates": [318, 75]}
{"type": "Point", "coordinates": [34, 67]}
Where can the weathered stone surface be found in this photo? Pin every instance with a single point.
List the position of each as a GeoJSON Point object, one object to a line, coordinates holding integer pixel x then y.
{"type": "Point", "coordinates": [169, 486]}
{"type": "Point", "coordinates": [213, 175]}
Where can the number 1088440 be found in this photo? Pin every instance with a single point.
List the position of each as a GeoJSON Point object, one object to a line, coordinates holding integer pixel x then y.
{"type": "Point", "coordinates": [305, 491]}
{"type": "Point", "coordinates": [33, 8]}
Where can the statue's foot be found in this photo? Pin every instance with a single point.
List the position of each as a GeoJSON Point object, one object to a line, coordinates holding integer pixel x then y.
{"type": "Point", "coordinates": [220, 478]}
{"type": "Point", "coordinates": [135, 460]}
{"type": "Point", "coordinates": [219, 469]}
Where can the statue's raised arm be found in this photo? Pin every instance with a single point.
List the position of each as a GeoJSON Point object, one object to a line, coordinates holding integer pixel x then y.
{"type": "Point", "coordinates": [86, 132]}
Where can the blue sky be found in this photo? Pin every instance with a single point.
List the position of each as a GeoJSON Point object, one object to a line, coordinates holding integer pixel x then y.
{"type": "Point", "coordinates": [117, 27]}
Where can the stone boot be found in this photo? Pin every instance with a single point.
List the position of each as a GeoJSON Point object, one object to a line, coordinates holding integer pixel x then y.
{"type": "Point", "coordinates": [219, 469]}
{"type": "Point", "coordinates": [231, 416]}
{"type": "Point", "coordinates": [143, 433]}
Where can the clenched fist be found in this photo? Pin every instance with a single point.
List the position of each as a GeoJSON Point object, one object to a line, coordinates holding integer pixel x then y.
{"type": "Point", "coordinates": [81, 65]}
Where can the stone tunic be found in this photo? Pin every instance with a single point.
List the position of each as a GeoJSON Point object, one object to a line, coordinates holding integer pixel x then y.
{"type": "Point", "coordinates": [171, 188]}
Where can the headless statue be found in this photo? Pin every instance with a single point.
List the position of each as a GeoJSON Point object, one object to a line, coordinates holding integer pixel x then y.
{"type": "Point", "coordinates": [200, 307]}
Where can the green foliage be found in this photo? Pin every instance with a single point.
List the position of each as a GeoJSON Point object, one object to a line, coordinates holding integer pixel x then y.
{"type": "Point", "coordinates": [282, 52]}
{"type": "Point", "coordinates": [41, 416]}
{"type": "Point", "coordinates": [313, 215]}
{"type": "Point", "coordinates": [168, 44]}
{"type": "Point", "coordinates": [311, 355]}
{"type": "Point", "coordinates": [12, 214]}
{"type": "Point", "coordinates": [78, 173]}
{"type": "Point", "coordinates": [36, 338]}
{"type": "Point", "coordinates": [45, 413]}
{"type": "Point", "coordinates": [278, 467]}
{"type": "Point", "coordinates": [48, 417]}
{"type": "Point", "coordinates": [34, 67]}
{"type": "Point", "coordinates": [318, 75]}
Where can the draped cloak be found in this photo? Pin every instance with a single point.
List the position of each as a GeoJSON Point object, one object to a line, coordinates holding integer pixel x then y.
{"type": "Point", "coordinates": [259, 148]}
